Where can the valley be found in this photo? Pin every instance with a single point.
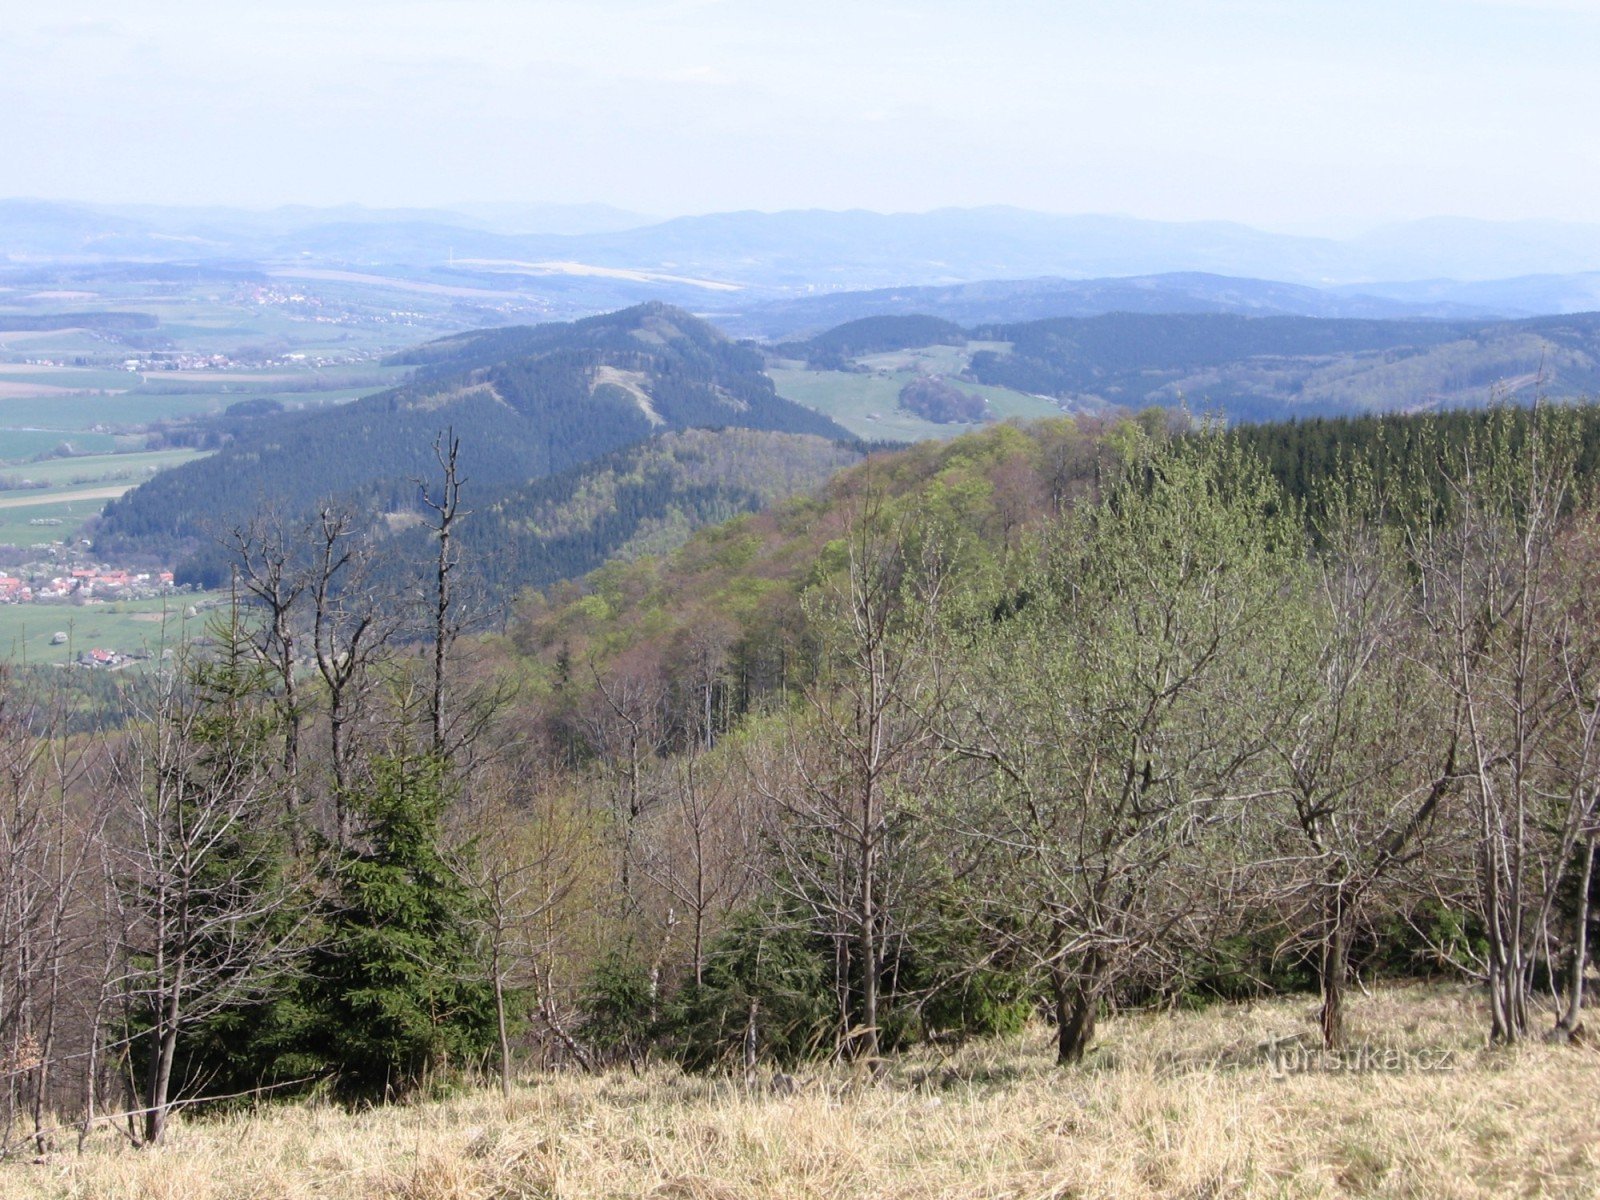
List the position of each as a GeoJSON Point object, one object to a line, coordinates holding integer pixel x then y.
{"type": "Point", "coordinates": [681, 600]}
{"type": "Point", "coordinates": [303, 394]}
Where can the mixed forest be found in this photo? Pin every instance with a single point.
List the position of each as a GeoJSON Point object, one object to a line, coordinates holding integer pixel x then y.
{"type": "Point", "coordinates": [1037, 724]}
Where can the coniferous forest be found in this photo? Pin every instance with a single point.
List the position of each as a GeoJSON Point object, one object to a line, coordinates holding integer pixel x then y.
{"type": "Point", "coordinates": [1037, 725]}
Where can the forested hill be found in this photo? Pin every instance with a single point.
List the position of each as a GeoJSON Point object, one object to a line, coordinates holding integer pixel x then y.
{"type": "Point", "coordinates": [1247, 368]}
{"type": "Point", "coordinates": [739, 584]}
{"type": "Point", "coordinates": [645, 499]}
{"type": "Point", "coordinates": [524, 402]}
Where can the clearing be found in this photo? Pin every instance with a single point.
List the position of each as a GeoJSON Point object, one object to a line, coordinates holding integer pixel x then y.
{"type": "Point", "coordinates": [1216, 1103]}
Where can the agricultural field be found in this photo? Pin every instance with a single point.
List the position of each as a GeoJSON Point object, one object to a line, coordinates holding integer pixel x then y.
{"type": "Point", "coordinates": [76, 408]}
{"type": "Point", "coordinates": [158, 350]}
{"type": "Point", "coordinates": [29, 522]}
{"type": "Point", "coordinates": [26, 630]}
{"type": "Point", "coordinates": [869, 404]}
{"type": "Point", "coordinates": [77, 489]}
{"type": "Point", "coordinates": [1222, 1102]}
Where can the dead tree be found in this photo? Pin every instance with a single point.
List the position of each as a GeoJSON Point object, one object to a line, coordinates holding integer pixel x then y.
{"type": "Point", "coordinates": [197, 880]}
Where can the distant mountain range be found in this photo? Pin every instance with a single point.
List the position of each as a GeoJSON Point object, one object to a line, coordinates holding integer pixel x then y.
{"type": "Point", "coordinates": [1467, 267]}
{"type": "Point", "coordinates": [996, 301]}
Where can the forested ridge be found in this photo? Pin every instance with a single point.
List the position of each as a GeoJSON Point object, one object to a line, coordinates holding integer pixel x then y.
{"type": "Point", "coordinates": [1246, 368]}
{"type": "Point", "coordinates": [530, 402]}
{"type": "Point", "coordinates": [1022, 727]}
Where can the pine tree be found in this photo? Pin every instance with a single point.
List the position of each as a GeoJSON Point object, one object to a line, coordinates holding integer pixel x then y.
{"type": "Point", "coordinates": [395, 994]}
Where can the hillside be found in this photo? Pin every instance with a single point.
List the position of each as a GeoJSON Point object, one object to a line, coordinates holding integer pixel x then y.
{"type": "Point", "coordinates": [1195, 1107]}
{"type": "Point", "coordinates": [1006, 301]}
{"type": "Point", "coordinates": [1246, 368]}
{"type": "Point", "coordinates": [984, 490]}
{"type": "Point", "coordinates": [645, 499]}
{"type": "Point", "coordinates": [525, 402]}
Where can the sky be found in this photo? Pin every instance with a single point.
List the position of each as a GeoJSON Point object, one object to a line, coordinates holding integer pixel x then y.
{"type": "Point", "coordinates": [1305, 115]}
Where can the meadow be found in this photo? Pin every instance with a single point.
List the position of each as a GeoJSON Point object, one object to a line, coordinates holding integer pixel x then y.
{"type": "Point", "coordinates": [868, 405]}
{"type": "Point", "coordinates": [123, 625]}
{"type": "Point", "coordinates": [1221, 1102]}
{"type": "Point", "coordinates": [76, 489]}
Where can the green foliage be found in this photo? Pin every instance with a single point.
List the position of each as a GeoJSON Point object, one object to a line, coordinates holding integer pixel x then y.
{"type": "Point", "coordinates": [958, 987]}
{"type": "Point", "coordinates": [617, 1009]}
{"type": "Point", "coordinates": [767, 967]}
{"type": "Point", "coordinates": [525, 402]}
{"type": "Point", "coordinates": [871, 335]}
{"type": "Point", "coordinates": [396, 995]}
{"type": "Point", "coordinates": [941, 401]}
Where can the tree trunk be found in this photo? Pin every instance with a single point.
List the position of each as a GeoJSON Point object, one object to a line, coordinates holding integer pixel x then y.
{"type": "Point", "coordinates": [1580, 945]}
{"type": "Point", "coordinates": [157, 1101]}
{"type": "Point", "coordinates": [1508, 1014]}
{"type": "Point", "coordinates": [1077, 1005]}
{"type": "Point", "coordinates": [750, 1043]}
{"type": "Point", "coordinates": [868, 1046]}
{"type": "Point", "coordinates": [1333, 970]}
{"type": "Point", "coordinates": [500, 1024]}
{"type": "Point", "coordinates": [291, 754]}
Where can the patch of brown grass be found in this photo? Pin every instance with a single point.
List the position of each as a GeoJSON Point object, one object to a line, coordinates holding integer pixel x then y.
{"type": "Point", "coordinates": [1168, 1105]}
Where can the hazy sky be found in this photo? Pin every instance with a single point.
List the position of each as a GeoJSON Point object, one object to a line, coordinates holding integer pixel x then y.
{"type": "Point", "coordinates": [1289, 113]}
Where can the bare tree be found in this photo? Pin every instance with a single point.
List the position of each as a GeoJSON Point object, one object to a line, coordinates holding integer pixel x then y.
{"type": "Point", "coordinates": [627, 726]}
{"type": "Point", "coordinates": [49, 835]}
{"type": "Point", "coordinates": [701, 848]}
{"type": "Point", "coordinates": [845, 826]}
{"type": "Point", "coordinates": [522, 855]}
{"type": "Point", "coordinates": [273, 569]}
{"type": "Point", "coordinates": [199, 891]}
{"type": "Point", "coordinates": [1520, 664]}
{"type": "Point", "coordinates": [351, 625]}
{"type": "Point", "coordinates": [448, 617]}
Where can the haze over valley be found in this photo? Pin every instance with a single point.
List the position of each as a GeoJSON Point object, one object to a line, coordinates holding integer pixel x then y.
{"type": "Point", "coordinates": [727, 601]}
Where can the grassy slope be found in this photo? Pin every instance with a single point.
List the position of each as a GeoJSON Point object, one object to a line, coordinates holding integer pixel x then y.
{"type": "Point", "coordinates": [869, 404]}
{"type": "Point", "coordinates": [1171, 1105]}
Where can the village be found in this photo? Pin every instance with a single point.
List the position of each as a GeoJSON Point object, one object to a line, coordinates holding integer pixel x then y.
{"type": "Point", "coordinates": [84, 585]}
{"type": "Point", "coordinates": [74, 587]}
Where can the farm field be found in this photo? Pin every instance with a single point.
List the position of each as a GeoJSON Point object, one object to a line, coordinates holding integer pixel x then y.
{"type": "Point", "coordinates": [869, 405]}
{"type": "Point", "coordinates": [34, 523]}
{"type": "Point", "coordinates": [298, 343]}
{"type": "Point", "coordinates": [124, 626]}
{"type": "Point", "coordinates": [36, 417]}
{"type": "Point", "coordinates": [1221, 1102]}
{"type": "Point", "coordinates": [72, 473]}
{"type": "Point", "coordinates": [78, 489]}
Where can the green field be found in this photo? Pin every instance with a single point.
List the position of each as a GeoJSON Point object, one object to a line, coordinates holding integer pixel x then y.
{"type": "Point", "coordinates": [869, 405]}
{"type": "Point", "coordinates": [71, 477]}
{"type": "Point", "coordinates": [16, 531]}
{"type": "Point", "coordinates": [31, 425]}
{"type": "Point", "coordinates": [76, 378]}
{"type": "Point", "coordinates": [75, 414]}
{"type": "Point", "coordinates": [90, 469]}
{"type": "Point", "coordinates": [20, 445]}
{"type": "Point", "coordinates": [26, 629]}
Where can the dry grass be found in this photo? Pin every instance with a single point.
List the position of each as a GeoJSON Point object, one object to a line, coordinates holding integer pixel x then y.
{"type": "Point", "coordinates": [1188, 1105]}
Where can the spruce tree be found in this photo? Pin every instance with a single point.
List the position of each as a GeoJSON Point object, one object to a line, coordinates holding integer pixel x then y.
{"type": "Point", "coordinates": [395, 993]}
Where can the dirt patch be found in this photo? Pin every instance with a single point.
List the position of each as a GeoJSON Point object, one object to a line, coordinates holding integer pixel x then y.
{"type": "Point", "coordinates": [36, 501]}
{"type": "Point", "coordinates": [631, 382]}
{"type": "Point", "coordinates": [12, 390]}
